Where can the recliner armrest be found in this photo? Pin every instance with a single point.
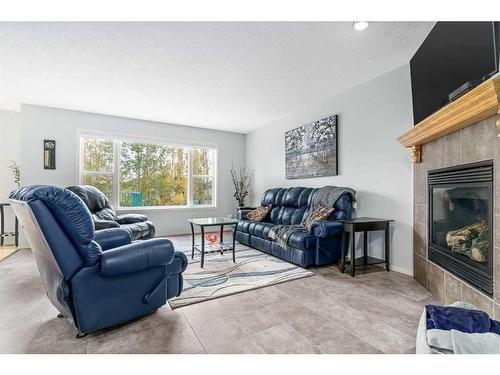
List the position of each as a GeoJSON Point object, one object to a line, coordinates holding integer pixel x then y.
{"type": "Point", "coordinates": [325, 228]}
{"type": "Point", "coordinates": [137, 257]}
{"type": "Point", "coordinates": [112, 237]}
{"type": "Point", "coordinates": [131, 218]}
{"type": "Point", "coordinates": [105, 224]}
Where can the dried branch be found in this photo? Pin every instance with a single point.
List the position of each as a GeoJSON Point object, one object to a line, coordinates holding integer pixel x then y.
{"type": "Point", "coordinates": [16, 172]}
{"type": "Point", "coordinates": [242, 179]}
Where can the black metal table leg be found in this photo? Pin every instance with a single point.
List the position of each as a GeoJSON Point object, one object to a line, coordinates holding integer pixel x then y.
{"type": "Point", "coordinates": [202, 246]}
{"type": "Point", "coordinates": [192, 238]}
{"type": "Point", "coordinates": [387, 246]}
{"type": "Point", "coordinates": [1, 225]}
{"type": "Point", "coordinates": [221, 233]}
{"type": "Point", "coordinates": [365, 247]}
{"type": "Point", "coordinates": [353, 252]}
{"type": "Point", "coordinates": [343, 250]}
{"type": "Point", "coordinates": [234, 244]}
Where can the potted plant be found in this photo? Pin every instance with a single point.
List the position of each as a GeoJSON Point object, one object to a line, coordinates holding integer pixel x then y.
{"type": "Point", "coordinates": [242, 178]}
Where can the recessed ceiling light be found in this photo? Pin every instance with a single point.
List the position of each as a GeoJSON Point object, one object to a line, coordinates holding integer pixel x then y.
{"type": "Point", "coordinates": [360, 25]}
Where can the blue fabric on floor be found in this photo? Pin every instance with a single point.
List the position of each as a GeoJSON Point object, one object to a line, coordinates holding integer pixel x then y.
{"type": "Point", "coordinates": [463, 320]}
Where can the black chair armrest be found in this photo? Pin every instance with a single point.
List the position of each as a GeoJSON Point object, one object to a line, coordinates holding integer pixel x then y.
{"type": "Point", "coordinates": [113, 237]}
{"type": "Point", "coordinates": [131, 218]}
{"type": "Point", "coordinates": [105, 224]}
{"type": "Point", "coordinates": [136, 257]}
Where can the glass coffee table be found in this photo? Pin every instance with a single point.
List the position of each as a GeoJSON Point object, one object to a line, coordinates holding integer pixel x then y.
{"type": "Point", "coordinates": [219, 247]}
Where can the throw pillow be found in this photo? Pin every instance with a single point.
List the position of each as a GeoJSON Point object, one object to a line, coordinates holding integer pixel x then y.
{"type": "Point", "coordinates": [320, 213]}
{"type": "Point", "coordinates": [259, 213]}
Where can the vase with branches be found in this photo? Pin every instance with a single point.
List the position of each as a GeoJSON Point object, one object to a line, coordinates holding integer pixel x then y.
{"type": "Point", "coordinates": [16, 172]}
{"type": "Point", "coordinates": [242, 178]}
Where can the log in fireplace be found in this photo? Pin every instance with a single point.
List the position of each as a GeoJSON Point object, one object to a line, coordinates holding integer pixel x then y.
{"type": "Point", "coordinates": [461, 222]}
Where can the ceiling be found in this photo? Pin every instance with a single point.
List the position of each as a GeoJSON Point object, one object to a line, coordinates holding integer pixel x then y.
{"type": "Point", "coordinates": [235, 76]}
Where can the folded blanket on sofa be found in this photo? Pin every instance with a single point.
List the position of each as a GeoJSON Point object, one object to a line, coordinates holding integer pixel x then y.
{"type": "Point", "coordinates": [461, 329]}
{"type": "Point", "coordinates": [326, 196]}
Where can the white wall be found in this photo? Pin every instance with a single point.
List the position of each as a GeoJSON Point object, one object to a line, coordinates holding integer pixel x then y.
{"type": "Point", "coordinates": [39, 123]}
{"type": "Point", "coordinates": [9, 150]}
{"type": "Point", "coordinates": [371, 117]}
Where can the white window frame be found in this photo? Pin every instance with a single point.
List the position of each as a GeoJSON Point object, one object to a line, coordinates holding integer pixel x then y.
{"type": "Point", "coordinates": [119, 138]}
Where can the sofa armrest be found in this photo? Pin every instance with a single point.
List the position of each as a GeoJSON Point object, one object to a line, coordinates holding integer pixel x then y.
{"type": "Point", "coordinates": [131, 218]}
{"type": "Point", "coordinates": [137, 257]}
{"type": "Point", "coordinates": [325, 228]}
{"type": "Point", "coordinates": [112, 237]}
{"type": "Point", "coordinates": [105, 224]}
{"type": "Point", "coordinates": [242, 212]}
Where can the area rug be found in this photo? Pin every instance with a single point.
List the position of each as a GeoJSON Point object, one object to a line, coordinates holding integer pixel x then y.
{"type": "Point", "coordinates": [221, 277]}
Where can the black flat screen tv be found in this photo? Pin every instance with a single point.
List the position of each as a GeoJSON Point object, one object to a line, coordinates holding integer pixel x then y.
{"type": "Point", "coordinates": [453, 54]}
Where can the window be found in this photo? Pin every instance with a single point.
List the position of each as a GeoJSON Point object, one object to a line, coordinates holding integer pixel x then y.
{"type": "Point", "coordinates": [146, 174]}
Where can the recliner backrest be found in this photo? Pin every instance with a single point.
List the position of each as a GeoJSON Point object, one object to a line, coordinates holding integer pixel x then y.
{"type": "Point", "coordinates": [60, 232]}
{"type": "Point", "coordinates": [69, 212]}
{"type": "Point", "coordinates": [96, 201]}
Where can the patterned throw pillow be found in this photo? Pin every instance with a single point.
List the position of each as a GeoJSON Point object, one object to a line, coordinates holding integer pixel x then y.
{"type": "Point", "coordinates": [320, 213]}
{"type": "Point", "coordinates": [259, 213]}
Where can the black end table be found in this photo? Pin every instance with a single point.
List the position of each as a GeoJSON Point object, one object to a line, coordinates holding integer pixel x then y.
{"type": "Point", "coordinates": [3, 233]}
{"type": "Point", "coordinates": [212, 222]}
{"type": "Point", "coordinates": [365, 225]}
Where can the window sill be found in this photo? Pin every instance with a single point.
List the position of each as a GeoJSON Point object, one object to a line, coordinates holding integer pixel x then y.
{"type": "Point", "coordinates": [163, 208]}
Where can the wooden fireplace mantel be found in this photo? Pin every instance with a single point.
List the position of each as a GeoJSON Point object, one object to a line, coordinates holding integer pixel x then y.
{"type": "Point", "coordinates": [481, 102]}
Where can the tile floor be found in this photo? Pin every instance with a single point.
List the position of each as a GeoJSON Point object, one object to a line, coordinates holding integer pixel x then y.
{"type": "Point", "coordinates": [6, 251]}
{"type": "Point", "coordinates": [376, 312]}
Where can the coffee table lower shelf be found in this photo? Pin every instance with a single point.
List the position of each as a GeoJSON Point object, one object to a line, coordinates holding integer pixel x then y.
{"type": "Point", "coordinates": [219, 248]}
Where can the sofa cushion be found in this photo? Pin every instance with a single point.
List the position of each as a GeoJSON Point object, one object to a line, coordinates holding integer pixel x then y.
{"type": "Point", "coordinates": [260, 213]}
{"type": "Point", "coordinates": [255, 228]}
{"type": "Point", "coordinates": [296, 197]}
{"type": "Point", "coordinates": [243, 225]}
{"type": "Point", "coordinates": [272, 196]}
{"type": "Point", "coordinates": [261, 230]}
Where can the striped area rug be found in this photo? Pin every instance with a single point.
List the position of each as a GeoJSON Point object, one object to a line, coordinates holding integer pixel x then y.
{"type": "Point", "coordinates": [221, 277]}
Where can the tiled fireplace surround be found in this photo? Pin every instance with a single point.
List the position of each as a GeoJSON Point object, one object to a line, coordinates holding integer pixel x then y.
{"type": "Point", "coordinates": [476, 142]}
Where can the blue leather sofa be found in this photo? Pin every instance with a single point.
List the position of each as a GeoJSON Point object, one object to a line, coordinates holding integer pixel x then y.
{"type": "Point", "coordinates": [320, 246]}
{"type": "Point", "coordinates": [96, 279]}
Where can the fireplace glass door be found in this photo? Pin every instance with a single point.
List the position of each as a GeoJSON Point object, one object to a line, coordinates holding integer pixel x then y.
{"type": "Point", "coordinates": [460, 221]}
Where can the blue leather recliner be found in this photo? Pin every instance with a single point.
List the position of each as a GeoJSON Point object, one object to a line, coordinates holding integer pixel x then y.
{"type": "Point", "coordinates": [319, 247]}
{"type": "Point", "coordinates": [96, 279]}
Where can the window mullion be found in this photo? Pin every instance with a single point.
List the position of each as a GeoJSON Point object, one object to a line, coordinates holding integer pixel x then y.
{"type": "Point", "coordinates": [190, 178]}
{"type": "Point", "coordinates": [116, 173]}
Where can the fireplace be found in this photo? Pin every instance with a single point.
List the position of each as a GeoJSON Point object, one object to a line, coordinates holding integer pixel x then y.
{"type": "Point", "coordinates": [461, 221]}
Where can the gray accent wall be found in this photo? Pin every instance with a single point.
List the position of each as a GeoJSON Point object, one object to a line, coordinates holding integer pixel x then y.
{"type": "Point", "coordinates": [371, 117]}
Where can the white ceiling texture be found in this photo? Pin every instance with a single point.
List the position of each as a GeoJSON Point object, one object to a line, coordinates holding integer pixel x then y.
{"type": "Point", "coordinates": [234, 76]}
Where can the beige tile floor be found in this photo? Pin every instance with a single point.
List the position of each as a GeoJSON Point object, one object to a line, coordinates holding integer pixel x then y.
{"type": "Point", "coordinates": [376, 312]}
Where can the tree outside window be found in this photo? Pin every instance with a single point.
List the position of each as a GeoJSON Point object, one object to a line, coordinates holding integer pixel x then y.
{"type": "Point", "coordinates": [149, 174]}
